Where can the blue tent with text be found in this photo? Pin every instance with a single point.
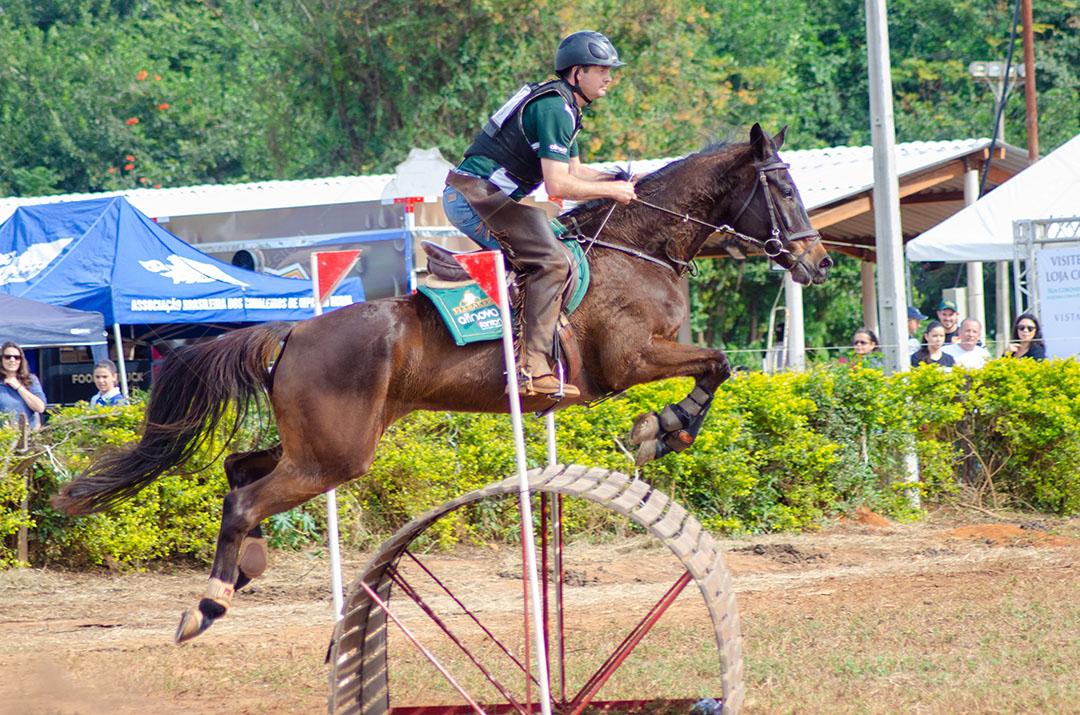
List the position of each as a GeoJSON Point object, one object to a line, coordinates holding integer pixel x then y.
{"type": "Point", "coordinates": [104, 255]}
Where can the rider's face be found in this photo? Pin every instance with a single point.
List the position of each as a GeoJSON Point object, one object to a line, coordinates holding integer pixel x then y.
{"type": "Point", "coordinates": [594, 80]}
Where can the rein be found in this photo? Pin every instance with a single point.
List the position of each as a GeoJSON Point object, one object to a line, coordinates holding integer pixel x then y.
{"type": "Point", "coordinates": [774, 246]}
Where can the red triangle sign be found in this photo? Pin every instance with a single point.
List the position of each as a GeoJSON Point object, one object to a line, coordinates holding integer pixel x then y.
{"type": "Point", "coordinates": [331, 267]}
{"type": "Point", "coordinates": [481, 267]}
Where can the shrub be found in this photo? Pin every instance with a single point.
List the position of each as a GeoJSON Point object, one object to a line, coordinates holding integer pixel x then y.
{"type": "Point", "coordinates": [776, 453]}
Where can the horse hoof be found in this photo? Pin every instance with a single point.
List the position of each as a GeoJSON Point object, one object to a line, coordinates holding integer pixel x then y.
{"type": "Point", "coordinates": [192, 623]}
{"type": "Point", "coordinates": [645, 428]}
{"type": "Point", "coordinates": [196, 620]}
{"type": "Point", "coordinates": [253, 557]}
{"type": "Point", "coordinates": [646, 453]}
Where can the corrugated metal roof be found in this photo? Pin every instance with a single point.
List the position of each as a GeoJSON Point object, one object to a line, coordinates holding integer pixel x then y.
{"type": "Point", "coordinates": [825, 177]}
{"type": "Point", "coordinates": [223, 198]}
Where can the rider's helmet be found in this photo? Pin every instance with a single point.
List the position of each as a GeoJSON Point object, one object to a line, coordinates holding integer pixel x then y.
{"type": "Point", "coordinates": [586, 48]}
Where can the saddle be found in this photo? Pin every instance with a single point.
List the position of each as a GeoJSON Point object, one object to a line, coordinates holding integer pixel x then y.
{"type": "Point", "coordinates": [472, 317]}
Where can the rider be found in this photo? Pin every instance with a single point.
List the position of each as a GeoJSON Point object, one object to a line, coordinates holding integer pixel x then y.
{"type": "Point", "coordinates": [532, 138]}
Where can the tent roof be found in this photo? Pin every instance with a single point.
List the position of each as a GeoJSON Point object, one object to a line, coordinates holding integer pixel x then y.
{"type": "Point", "coordinates": [983, 231]}
{"type": "Point", "coordinates": [104, 255]}
{"type": "Point", "coordinates": [37, 325]}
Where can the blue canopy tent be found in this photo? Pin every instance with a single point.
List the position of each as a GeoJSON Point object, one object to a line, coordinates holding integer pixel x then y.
{"type": "Point", "coordinates": [104, 255]}
{"type": "Point", "coordinates": [37, 325]}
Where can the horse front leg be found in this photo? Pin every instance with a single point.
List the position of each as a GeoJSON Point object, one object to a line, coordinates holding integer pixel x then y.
{"type": "Point", "coordinates": [675, 427]}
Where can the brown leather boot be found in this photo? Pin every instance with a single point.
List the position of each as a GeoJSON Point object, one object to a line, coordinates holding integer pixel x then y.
{"type": "Point", "coordinates": [547, 385]}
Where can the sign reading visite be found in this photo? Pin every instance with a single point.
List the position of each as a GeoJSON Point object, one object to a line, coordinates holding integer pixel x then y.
{"type": "Point", "coordinates": [1058, 271]}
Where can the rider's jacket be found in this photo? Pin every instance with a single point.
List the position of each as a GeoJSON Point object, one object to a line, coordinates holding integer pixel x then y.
{"type": "Point", "coordinates": [503, 138]}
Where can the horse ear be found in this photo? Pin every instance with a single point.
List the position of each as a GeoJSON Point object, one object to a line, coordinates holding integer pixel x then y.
{"type": "Point", "coordinates": [759, 141]}
{"type": "Point", "coordinates": [778, 138]}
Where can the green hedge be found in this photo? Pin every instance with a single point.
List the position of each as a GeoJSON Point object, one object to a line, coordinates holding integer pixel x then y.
{"type": "Point", "coordinates": [778, 452]}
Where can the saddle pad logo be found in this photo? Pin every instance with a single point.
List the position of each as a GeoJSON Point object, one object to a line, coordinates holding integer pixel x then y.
{"type": "Point", "coordinates": [186, 270]}
{"type": "Point", "coordinates": [22, 267]}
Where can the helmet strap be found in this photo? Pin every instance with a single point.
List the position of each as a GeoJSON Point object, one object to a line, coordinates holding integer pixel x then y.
{"type": "Point", "coordinates": [576, 87]}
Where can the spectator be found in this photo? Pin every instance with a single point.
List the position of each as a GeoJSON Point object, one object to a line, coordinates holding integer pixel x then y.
{"type": "Point", "coordinates": [108, 393]}
{"type": "Point", "coordinates": [21, 393]}
{"type": "Point", "coordinates": [914, 317]}
{"type": "Point", "coordinates": [1027, 338]}
{"type": "Point", "coordinates": [967, 352]}
{"type": "Point", "coordinates": [946, 313]}
{"type": "Point", "coordinates": [864, 343]}
{"type": "Point", "coordinates": [932, 352]}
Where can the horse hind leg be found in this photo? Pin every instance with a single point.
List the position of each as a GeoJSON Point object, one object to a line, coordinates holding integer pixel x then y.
{"type": "Point", "coordinates": [241, 469]}
{"type": "Point", "coordinates": [283, 488]}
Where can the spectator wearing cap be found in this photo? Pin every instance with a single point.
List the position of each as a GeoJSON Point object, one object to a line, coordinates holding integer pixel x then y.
{"type": "Point", "coordinates": [949, 317]}
{"type": "Point", "coordinates": [914, 317]}
{"type": "Point", "coordinates": [967, 352]}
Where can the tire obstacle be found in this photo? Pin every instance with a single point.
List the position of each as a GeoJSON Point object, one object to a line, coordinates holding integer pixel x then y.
{"type": "Point", "coordinates": [359, 657]}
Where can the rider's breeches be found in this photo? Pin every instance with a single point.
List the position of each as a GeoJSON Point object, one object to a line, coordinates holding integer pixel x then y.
{"type": "Point", "coordinates": [525, 236]}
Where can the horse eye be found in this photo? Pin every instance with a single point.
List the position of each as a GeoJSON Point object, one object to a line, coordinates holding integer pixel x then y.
{"type": "Point", "coordinates": [788, 193]}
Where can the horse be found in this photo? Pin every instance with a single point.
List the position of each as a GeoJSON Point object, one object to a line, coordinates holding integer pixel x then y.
{"type": "Point", "coordinates": [340, 379]}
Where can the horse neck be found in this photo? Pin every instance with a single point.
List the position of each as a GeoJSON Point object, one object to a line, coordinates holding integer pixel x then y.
{"type": "Point", "coordinates": [705, 186]}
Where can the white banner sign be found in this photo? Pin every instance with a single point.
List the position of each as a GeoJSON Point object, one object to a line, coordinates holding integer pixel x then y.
{"type": "Point", "coordinates": [1058, 271]}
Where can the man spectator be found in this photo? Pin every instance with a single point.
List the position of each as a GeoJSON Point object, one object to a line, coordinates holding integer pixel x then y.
{"type": "Point", "coordinates": [914, 317]}
{"type": "Point", "coordinates": [946, 313]}
{"type": "Point", "coordinates": [967, 352]}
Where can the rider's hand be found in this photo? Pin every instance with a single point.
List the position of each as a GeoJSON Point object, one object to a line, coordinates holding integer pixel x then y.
{"type": "Point", "coordinates": [622, 191]}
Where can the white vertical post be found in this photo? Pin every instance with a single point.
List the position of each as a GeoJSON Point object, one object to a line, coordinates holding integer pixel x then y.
{"type": "Point", "coordinates": [976, 302]}
{"type": "Point", "coordinates": [892, 296]}
{"type": "Point", "coordinates": [120, 363]}
{"type": "Point", "coordinates": [869, 295]}
{"type": "Point", "coordinates": [523, 488]}
{"type": "Point", "coordinates": [331, 495]}
{"type": "Point", "coordinates": [794, 335]}
{"type": "Point", "coordinates": [1001, 290]}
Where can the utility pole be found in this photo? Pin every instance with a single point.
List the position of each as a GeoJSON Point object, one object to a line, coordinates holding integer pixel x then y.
{"type": "Point", "coordinates": [888, 239]}
{"type": "Point", "coordinates": [1032, 113]}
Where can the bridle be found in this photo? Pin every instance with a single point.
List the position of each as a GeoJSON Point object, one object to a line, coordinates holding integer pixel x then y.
{"type": "Point", "coordinates": [774, 246]}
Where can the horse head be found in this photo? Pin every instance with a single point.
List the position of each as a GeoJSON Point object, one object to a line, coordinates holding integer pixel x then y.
{"type": "Point", "coordinates": [773, 214]}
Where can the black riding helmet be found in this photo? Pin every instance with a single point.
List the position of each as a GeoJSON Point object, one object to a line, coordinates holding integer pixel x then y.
{"type": "Point", "coordinates": [585, 48]}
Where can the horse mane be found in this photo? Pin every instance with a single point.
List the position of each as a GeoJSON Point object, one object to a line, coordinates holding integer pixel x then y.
{"type": "Point", "coordinates": [692, 183]}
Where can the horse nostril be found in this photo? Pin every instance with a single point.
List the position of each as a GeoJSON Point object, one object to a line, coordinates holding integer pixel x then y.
{"type": "Point", "coordinates": [826, 263]}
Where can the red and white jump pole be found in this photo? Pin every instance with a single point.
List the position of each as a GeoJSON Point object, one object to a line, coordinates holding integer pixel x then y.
{"type": "Point", "coordinates": [486, 267]}
{"type": "Point", "coordinates": [328, 268]}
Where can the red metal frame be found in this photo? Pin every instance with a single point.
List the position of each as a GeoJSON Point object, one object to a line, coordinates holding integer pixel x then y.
{"type": "Point", "coordinates": [585, 696]}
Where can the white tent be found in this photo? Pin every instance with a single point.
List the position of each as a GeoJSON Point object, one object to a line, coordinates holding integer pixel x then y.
{"type": "Point", "coordinates": [983, 231]}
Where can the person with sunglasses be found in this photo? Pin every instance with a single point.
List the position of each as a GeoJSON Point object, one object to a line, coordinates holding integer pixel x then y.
{"type": "Point", "coordinates": [1027, 338]}
{"type": "Point", "coordinates": [21, 393]}
{"type": "Point", "coordinates": [864, 344]}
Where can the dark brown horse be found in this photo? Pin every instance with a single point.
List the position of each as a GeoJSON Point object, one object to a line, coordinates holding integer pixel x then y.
{"type": "Point", "coordinates": [341, 379]}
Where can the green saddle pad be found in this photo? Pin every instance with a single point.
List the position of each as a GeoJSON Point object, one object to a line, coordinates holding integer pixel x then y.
{"type": "Point", "coordinates": [471, 316]}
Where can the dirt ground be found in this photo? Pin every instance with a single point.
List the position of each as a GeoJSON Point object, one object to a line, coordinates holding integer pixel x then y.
{"type": "Point", "coordinates": [963, 612]}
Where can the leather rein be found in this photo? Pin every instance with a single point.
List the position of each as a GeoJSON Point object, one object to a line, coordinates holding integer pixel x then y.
{"type": "Point", "coordinates": [774, 246]}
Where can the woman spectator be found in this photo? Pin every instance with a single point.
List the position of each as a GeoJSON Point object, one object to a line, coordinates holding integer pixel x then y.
{"type": "Point", "coordinates": [21, 393]}
{"type": "Point", "coordinates": [1027, 338]}
{"type": "Point", "coordinates": [864, 343]}
{"type": "Point", "coordinates": [931, 352]}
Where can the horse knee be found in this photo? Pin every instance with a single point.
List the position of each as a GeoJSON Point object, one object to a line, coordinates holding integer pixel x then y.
{"type": "Point", "coordinates": [235, 520]}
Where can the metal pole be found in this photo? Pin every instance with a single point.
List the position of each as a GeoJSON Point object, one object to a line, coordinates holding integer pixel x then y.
{"type": "Point", "coordinates": [331, 495]}
{"type": "Point", "coordinates": [892, 300]}
{"type": "Point", "coordinates": [523, 488]}
{"type": "Point", "coordinates": [976, 303]}
{"type": "Point", "coordinates": [1029, 84]}
{"type": "Point", "coordinates": [794, 335]}
{"type": "Point", "coordinates": [120, 363]}
{"type": "Point", "coordinates": [889, 242]}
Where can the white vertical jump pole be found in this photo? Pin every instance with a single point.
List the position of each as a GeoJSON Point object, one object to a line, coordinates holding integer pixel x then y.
{"type": "Point", "coordinates": [331, 495]}
{"type": "Point", "coordinates": [523, 484]}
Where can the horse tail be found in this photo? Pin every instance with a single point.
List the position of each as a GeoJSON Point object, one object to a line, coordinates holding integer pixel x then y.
{"type": "Point", "coordinates": [190, 398]}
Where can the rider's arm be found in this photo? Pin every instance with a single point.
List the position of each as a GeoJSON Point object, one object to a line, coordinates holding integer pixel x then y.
{"type": "Point", "coordinates": [587, 172]}
{"type": "Point", "coordinates": [562, 182]}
